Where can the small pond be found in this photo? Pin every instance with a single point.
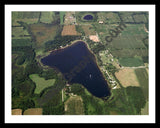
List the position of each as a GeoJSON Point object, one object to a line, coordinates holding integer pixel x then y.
{"type": "Point", "coordinates": [88, 17]}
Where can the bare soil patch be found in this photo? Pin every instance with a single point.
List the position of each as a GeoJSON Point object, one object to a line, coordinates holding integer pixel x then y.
{"type": "Point", "coordinates": [94, 38]}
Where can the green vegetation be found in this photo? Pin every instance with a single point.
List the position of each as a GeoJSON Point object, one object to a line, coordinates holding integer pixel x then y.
{"type": "Point", "coordinates": [21, 42]}
{"type": "Point", "coordinates": [41, 83]}
{"type": "Point", "coordinates": [20, 33]}
{"type": "Point", "coordinates": [136, 98]}
{"type": "Point", "coordinates": [25, 104]}
{"type": "Point", "coordinates": [27, 17]}
{"type": "Point", "coordinates": [124, 101]}
{"type": "Point", "coordinates": [108, 17]}
{"type": "Point", "coordinates": [53, 110]}
{"type": "Point", "coordinates": [131, 62]}
{"type": "Point", "coordinates": [47, 17]}
{"type": "Point", "coordinates": [74, 106]}
{"type": "Point", "coordinates": [54, 44]}
{"type": "Point", "coordinates": [142, 76]}
{"type": "Point", "coordinates": [35, 33]}
{"type": "Point", "coordinates": [62, 14]}
{"type": "Point", "coordinates": [80, 15]}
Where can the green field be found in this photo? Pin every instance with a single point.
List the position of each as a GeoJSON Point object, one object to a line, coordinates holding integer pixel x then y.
{"type": "Point", "coordinates": [142, 76]}
{"type": "Point", "coordinates": [127, 16]}
{"type": "Point", "coordinates": [41, 83]}
{"type": "Point", "coordinates": [131, 62]}
{"type": "Point", "coordinates": [131, 37]}
{"type": "Point", "coordinates": [27, 17]}
{"type": "Point", "coordinates": [21, 42]}
{"type": "Point", "coordinates": [108, 17]}
{"type": "Point", "coordinates": [130, 42]}
{"type": "Point", "coordinates": [20, 33]}
{"type": "Point", "coordinates": [74, 106]}
{"type": "Point", "coordinates": [62, 17]}
{"type": "Point", "coordinates": [47, 17]}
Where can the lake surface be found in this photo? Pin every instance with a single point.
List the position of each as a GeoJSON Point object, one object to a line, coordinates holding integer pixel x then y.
{"type": "Point", "coordinates": [78, 65]}
{"type": "Point", "coordinates": [88, 17]}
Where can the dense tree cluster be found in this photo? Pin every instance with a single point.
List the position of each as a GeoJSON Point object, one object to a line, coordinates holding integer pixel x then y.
{"type": "Point", "coordinates": [60, 41]}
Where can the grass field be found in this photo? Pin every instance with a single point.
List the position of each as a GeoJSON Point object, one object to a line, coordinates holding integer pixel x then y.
{"type": "Point", "coordinates": [145, 110]}
{"type": "Point", "coordinates": [20, 33]}
{"type": "Point", "coordinates": [33, 111]}
{"type": "Point", "coordinates": [108, 17]}
{"type": "Point", "coordinates": [88, 29]}
{"type": "Point", "coordinates": [128, 43]}
{"type": "Point", "coordinates": [131, 37]}
{"type": "Point", "coordinates": [47, 17]}
{"type": "Point", "coordinates": [131, 62]}
{"type": "Point", "coordinates": [127, 16]}
{"type": "Point", "coordinates": [62, 14]}
{"type": "Point", "coordinates": [129, 53]}
{"type": "Point", "coordinates": [142, 76]}
{"type": "Point", "coordinates": [41, 83]}
{"type": "Point", "coordinates": [140, 18]}
{"type": "Point", "coordinates": [21, 42]}
{"type": "Point", "coordinates": [127, 77]}
{"type": "Point", "coordinates": [74, 106]}
{"type": "Point", "coordinates": [27, 17]}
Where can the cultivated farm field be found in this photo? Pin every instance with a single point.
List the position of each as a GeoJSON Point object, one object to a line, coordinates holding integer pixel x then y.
{"type": "Point", "coordinates": [43, 32]}
{"type": "Point", "coordinates": [20, 33]}
{"type": "Point", "coordinates": [131, 62]}
{"type": "Point", "coordinates": [26, 17]}
{"type": "Point", "coordinates": [74, 106]}
{"type": "Point", "coordinates": [33, 111]}
{"type": "Point", "coordinates": [47, 17]}
{"type": "Point", "coordinates": [69, 30]}
{"type": "Point", "coordinates": [142, 76]}
{"type": "Point", "coordinates": [16, 111]}
{"type": "Point", "coordinates": [127, 77]}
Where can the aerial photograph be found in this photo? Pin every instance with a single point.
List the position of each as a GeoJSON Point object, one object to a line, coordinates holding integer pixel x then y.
{"type": "Point", "coordinates": [79, 63]}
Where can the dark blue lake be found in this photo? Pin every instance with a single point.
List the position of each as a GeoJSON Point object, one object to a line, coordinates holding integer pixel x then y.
{"type": "Point", "coordinates": [78, 65]}
{"type": "Point", "coordinates": [88, 17]}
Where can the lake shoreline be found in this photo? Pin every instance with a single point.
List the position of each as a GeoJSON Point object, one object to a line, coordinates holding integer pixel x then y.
{"type": "Point", "coordinates": [94, 57]}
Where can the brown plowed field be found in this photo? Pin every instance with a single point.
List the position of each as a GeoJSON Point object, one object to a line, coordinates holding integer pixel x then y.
{"type": "Point", "coordinates": [69, 30]}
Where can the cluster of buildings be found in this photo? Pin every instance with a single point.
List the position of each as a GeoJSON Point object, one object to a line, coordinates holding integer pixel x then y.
{"type": "Point", "coordinates": [67, 90]}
